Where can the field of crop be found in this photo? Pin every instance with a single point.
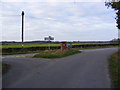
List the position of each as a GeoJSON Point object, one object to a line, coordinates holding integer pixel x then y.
{"type": "Point", "coordinates": [18, 45]}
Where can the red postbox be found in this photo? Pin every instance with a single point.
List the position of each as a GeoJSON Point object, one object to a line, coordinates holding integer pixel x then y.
{"type": "Point", "coordinates": [63, 45]}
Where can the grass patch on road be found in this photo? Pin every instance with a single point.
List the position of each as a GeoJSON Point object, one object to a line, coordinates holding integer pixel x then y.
{"type": "Point", "coordinates": [56, 53]}
{"type": "Point", "coordinates": [114, 64]}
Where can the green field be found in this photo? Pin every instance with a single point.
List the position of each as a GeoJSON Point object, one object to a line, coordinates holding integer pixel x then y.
{"type": "Point", "coordinates": [18, 45]}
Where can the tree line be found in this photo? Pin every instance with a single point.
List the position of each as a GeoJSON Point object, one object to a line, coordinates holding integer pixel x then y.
{"type": "Point", "coordinates": [115, 4]}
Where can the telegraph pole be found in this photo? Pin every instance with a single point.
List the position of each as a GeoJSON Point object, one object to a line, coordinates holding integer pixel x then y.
{"type": "Point", "coordinates": [22, 29]}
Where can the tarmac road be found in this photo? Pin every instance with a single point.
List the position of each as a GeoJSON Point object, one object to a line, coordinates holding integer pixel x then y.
{"type": "Point", "coordinates": [88, 69]}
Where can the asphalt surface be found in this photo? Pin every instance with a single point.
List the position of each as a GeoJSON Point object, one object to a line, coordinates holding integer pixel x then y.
{"type": "Point", "coordinates": [88, 69]}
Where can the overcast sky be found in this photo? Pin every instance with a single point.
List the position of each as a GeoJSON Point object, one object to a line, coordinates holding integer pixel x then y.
{"type": "Point", "coordinates": [83, 21]}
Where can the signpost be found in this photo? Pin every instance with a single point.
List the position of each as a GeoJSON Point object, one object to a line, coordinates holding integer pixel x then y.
{"type": "Point", "coordinates": [49, 38]}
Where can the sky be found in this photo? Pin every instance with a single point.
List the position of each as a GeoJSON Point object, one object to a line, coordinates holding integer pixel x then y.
{"type": "Point", "coordinates": [65, 21]}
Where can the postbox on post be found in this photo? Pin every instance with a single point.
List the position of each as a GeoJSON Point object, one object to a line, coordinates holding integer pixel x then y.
{"type": "Point", "coordinates": [69, 45]}
{"type": "Point", "coordinates": [63, 45]}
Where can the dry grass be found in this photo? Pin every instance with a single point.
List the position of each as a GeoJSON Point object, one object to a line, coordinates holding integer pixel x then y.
{"type": "Point", "coordinates": [56, 53]}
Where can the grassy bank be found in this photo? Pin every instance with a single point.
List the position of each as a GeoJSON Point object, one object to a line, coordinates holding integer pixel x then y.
{"type": "Point", "coordinates": [114, 64]}
{"type": "Point", "coordinates": [56, 53]}
{"type": "Point", "coordinates": [19, 52]}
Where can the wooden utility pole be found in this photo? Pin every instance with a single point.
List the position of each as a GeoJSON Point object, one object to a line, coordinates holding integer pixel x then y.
{"type": "Point", "coordinates": [22, 29]}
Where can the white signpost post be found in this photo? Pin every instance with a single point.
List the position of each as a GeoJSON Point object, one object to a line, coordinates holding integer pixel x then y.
{"type": "Point", "coordinates": [49, 38]}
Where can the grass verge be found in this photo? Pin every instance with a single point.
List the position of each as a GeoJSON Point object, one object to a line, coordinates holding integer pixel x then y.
{"type": "Point", "coordinates": [19, 52]}
{"type": "Point", "coordinates": [15, 53]}
{"type": "Point", "coordinates": [97, 47]}
{"type": "Point", "coordinates": [56, 53]}
{"type": "Point", "coordinates": [114, 64]}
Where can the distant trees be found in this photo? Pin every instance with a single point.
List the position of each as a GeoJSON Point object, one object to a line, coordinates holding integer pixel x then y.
{"type": "Point", "coordinates": [115, 4]}
{"type": "Point", "coordinates": [115, 40]}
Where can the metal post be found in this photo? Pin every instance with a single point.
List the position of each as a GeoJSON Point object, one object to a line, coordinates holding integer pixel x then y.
{"type": "Point", "coordinates": [22, 29]}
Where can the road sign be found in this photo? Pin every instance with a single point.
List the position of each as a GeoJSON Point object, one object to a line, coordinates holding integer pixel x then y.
{"type": "Point", "coordinates": [49, 38]}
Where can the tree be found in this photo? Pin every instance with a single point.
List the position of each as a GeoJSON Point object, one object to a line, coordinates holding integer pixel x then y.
{"type": "Point", "coordinates": [115, 4]}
